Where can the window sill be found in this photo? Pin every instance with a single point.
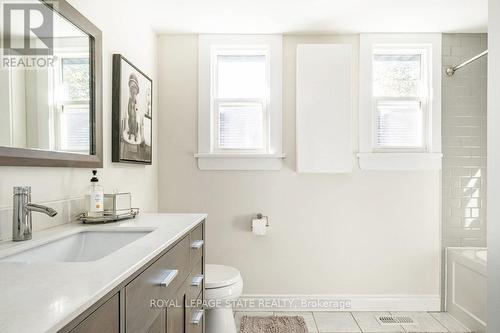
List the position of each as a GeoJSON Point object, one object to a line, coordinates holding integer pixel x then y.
{"type": "Point", "coordinates": [242, 162]}
{"type": "Point", "coordinates": [400, 161]}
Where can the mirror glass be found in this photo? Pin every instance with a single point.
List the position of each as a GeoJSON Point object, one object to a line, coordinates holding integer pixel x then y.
{"type": "Point", "coordinates": [48, 106]}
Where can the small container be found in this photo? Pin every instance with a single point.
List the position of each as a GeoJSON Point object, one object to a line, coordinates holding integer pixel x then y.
{"type": "Point", "coordinates": [94, 199]}
{"type": "Point", "coordinates": [117, 203]}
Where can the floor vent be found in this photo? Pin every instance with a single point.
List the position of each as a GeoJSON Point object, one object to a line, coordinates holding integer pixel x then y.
{"type": "Point", "coordinates": [395, 320]}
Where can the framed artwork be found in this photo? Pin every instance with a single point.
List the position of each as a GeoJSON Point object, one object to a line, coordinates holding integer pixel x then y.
{"type": "Point", "coordinates": [132, 123]}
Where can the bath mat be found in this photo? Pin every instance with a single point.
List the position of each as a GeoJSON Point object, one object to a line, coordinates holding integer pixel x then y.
{"type": "Point", "coordinates": [273, 324]}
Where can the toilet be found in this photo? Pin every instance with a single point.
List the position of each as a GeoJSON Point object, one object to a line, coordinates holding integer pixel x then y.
{"type": "Point", "coordinates": [223, 284]}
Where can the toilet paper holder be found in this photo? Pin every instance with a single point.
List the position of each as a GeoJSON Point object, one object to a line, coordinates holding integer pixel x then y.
{"type": "Point", "coordinates": [260, 217]}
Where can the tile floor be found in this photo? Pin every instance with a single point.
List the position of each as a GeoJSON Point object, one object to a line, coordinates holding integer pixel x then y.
{"type": "Point", "coordinates": [365, 322]}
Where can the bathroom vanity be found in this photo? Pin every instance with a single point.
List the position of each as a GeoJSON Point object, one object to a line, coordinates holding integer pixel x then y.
{"type": "Point", "coordinates": [142, 275]}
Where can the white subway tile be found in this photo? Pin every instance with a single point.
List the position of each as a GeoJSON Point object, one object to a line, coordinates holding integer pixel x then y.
{"type": "Point", "coordinates": [464, 142]}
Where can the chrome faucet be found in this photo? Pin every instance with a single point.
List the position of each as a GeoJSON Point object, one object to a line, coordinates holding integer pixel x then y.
{"type": "Point", "coordinates": [22, 227]}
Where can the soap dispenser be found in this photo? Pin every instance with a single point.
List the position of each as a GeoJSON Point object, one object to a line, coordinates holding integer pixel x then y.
{"type": "Point", "coordinates": [94, 199]}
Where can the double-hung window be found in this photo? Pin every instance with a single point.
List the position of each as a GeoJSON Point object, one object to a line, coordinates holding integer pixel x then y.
{"type": "Point", "coordinates": [400, 111]}
{"type": "Point", "coordinates": [400, 97]}
{"type": "Point", "coordinates": [240, 100]}
{"type": "Point", "coordinates": [72, 122]}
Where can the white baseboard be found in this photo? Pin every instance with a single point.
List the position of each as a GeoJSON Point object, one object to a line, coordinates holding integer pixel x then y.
{"type": "Point", "coordinates": [338, 303]}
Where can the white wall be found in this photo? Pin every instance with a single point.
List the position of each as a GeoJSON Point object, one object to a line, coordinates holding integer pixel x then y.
{"type": "Point", "coordinates": [125, 30]}
{"type": "Point", "coordinates": [365, 233]}
{"type": "Point", "coordinates": [5, 115]}
{"type": "Point", "coordinates": [493, 167]}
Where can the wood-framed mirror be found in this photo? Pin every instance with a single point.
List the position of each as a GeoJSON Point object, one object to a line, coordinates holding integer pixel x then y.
{"type": "Point", "coordinates": [50, 87]}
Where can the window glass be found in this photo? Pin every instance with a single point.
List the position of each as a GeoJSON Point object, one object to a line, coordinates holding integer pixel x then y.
{"type": "Point", "coordinates": [75, 126]}
{"type": "Point", "coordinates": [241, 76]}
{"type": "Point", "coordinates": [73, 119]}
{"type": "Point", "coordinates": [397, 75]}
{"type": "Point", "coordinates": [241, 126]}
{"type": "Point", "coordinates": [399, 124]}
{"type": "Point", "coordinates": [76, 79]}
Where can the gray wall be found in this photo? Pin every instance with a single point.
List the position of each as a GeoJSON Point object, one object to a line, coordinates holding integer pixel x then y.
{"type": "Point", "coordinates": [464, 142]}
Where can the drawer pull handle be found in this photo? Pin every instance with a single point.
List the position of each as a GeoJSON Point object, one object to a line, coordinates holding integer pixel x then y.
{"type": "Point", "coordinates": [197, 317]}
{"type": "Point", "coordinates": [169, 278]}
{"type": "Point", "coordinates": [197, 280]}
{"type": "Point", "coordinates": [197, 244]}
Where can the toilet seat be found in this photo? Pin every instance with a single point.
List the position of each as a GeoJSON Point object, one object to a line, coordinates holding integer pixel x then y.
{"type": "Point", "coordinates": [219, 276]}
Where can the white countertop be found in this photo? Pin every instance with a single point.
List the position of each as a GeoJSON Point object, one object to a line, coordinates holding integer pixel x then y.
{"type": "Point", "coordinates": [46, 296]}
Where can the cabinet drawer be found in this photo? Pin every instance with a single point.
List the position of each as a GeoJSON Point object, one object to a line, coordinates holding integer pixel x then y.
{"type": "Point", "coordinates": [197, 244]}
{"type": "Point", "coordinates": [159, 325]}
{"type": "Point", "coordinates": [105, 319]}
{"type": "Point", "coordinates": [176, 315]}
{"type": "Point", "coordinates": [195, 282]}
{"type": "Point", "coordinates": [195, 318]}
{"type": "Point", "coordinates": [161, 280]}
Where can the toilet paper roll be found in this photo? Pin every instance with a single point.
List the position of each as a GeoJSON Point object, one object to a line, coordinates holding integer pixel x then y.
{"type": "Point", "coordinates": [259, 226]}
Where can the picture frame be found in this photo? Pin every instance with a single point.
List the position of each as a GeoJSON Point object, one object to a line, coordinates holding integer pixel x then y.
{"type": "Point", "coordinates": [132, 113]}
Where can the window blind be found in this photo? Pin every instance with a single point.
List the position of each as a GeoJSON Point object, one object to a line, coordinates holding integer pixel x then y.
{"type": "Point", "coordinates": [399, 124]}
{"type": "Point", "coordinates": [241, 126]}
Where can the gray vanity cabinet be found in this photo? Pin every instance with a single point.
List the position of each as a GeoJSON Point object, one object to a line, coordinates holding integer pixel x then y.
{"type": "Point", "coordinates": [164, 296]}
{"type": "Point", "coordinates": [159, 324]}
{"type": "Point", "coordinates": [156, 285]}
{"type": "Point", "coordinates": [193, 323]}
{"type": "Point", "coordinates": [105, 319]}
{"type": "Point", "coordinates": [176, 315]}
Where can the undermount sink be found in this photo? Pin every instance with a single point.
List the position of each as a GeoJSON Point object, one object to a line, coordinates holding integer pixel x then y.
{"type": "Point", "coordinates": [79, 247]}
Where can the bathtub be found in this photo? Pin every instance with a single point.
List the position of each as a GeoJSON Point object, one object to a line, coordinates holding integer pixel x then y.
{"type": "Point", "coordinates": [466, 286]}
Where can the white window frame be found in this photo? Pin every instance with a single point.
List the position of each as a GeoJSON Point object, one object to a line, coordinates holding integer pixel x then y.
{"type": "Point", "coordinates": [217, 51]}
{"type": "Point", "coordinates": [424, 52]}
{"type": "Point", "coordinates": [210, 156]}
{"type": "Point", "coordinates": [427, 157]}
